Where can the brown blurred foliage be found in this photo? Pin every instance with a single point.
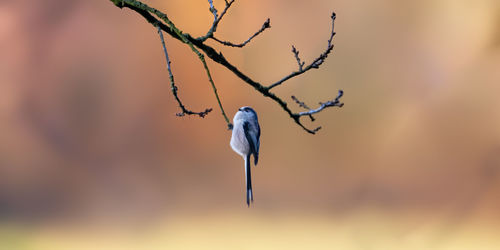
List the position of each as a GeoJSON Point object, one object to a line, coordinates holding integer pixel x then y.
{"type": "Point", "coordinates": [88, 123]}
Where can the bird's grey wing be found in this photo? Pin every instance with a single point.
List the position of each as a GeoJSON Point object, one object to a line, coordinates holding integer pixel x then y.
{"type": "Point", "coordinates": [257, 145]}
{"type": "Point", "coordinates": [252, 140]}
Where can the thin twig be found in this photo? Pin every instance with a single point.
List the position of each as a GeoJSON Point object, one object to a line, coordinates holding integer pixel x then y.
{"type": "Point", "coordinates": [217, 19]}
{"type": "Point", "coordinates": [315, 64]}
{"type": "Point", "coordinates": [202, 58]}
{"type": "Point", "coordinates": [333, 103]}
{"type": "Point", "coordinates": [296, 54]}
{"type": "Point", "coordinates": [183, 38]}
{"type": "Point", "coordinates": [228, 4]}
{"type": "Point", "coordinates": [214, 12]}
{"type": "Point", "coordinates": [266, 25]}
{"type": "Point", "coordinates": [174, 88]}
{"type": "Point", "coordinates": [302, 105]}
{"type": "Point", "coordinates": [148, 12]}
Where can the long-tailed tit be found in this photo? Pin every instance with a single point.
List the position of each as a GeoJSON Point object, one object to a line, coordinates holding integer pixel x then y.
{"type": "Point", "coordinates": [246, 141]}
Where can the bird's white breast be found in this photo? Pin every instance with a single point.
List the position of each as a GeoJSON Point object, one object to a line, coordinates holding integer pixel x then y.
{"type": "Point", "coordinates": [239, 141]}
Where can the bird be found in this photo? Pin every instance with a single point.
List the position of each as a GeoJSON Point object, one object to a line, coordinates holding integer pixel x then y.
{"type": "Point", "coordinates": [245, 141]}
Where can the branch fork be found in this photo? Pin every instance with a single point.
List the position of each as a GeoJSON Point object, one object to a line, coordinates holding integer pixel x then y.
{"type": "Point", "coordinates": [163, 24]}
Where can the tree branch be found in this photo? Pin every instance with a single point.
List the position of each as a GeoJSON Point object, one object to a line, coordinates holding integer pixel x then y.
{"type": "Point", "coordinates": [314, 64]}
{"type": "Point", "coordinates": [296, 54]}
{"type": "Point", "coordinates": [167, 26]}
{"type": "Point", "coordinates": [333, 103]}
{"type": "Point", "coordinates": [174, 88]}
{"type": "Point", "coordinates": [217, 19]}
{"type": "Point", "coordinates": [171, 29]}
{"type": "Point", "coordinates": [266, 25]}
{"type": "Point", "coordinates": [302, 105]}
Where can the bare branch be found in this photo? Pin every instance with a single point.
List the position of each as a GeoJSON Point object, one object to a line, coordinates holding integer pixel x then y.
{"type": "Point", "coordinates": [217, 19]}
{"type": "Point", "coordinates": [174, 88]}
{"type": "Point", "coordinates": [148, 12]}
{"type": "Point", "coordinates": [315, 64]}
{"type": "Point", "coordinates": [296, 54]}
{"type": "Point", "coordinates": [214, 12]}
{"type": "Point", "coordinates": [171, 29]}
{"type": "Point", "coordinates": [302, 105]}
{"type": "Point", "coordinates": [266, 25]}
{"type": "Point", "coordinates": [333, 103]}
{"type": "Point", "coordinates": [228, 4]}
{"type": "Point", "coordinates": [202, 58]}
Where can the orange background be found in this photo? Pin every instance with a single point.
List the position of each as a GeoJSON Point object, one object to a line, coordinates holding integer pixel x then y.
{"type": "Point", "coordinates": [92, 155]}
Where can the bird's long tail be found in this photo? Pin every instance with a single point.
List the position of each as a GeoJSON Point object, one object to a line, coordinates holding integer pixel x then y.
{"type": "Point", "coordinates": [248, 176]}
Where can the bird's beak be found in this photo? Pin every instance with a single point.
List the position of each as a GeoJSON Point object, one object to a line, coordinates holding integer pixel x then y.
{"type": "Point", "coordinates": [239, 109]}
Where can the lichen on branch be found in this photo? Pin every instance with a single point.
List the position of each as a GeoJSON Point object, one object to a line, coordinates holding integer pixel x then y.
{"type": "Point", "coordinates": [198, 45]}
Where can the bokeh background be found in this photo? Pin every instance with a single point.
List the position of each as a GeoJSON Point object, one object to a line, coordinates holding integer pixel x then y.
{"type": "Point", "coordinates": [92, 155]}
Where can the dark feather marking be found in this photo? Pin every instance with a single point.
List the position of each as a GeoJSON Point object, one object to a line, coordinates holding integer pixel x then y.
{"type": "Point", "coordinates": [249, 180]}
{"type": "Point", "coordinates": [246, 129]}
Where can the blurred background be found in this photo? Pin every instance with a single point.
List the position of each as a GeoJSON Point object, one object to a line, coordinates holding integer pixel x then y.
{"type": "Point", "coordinates": [92, 155]}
